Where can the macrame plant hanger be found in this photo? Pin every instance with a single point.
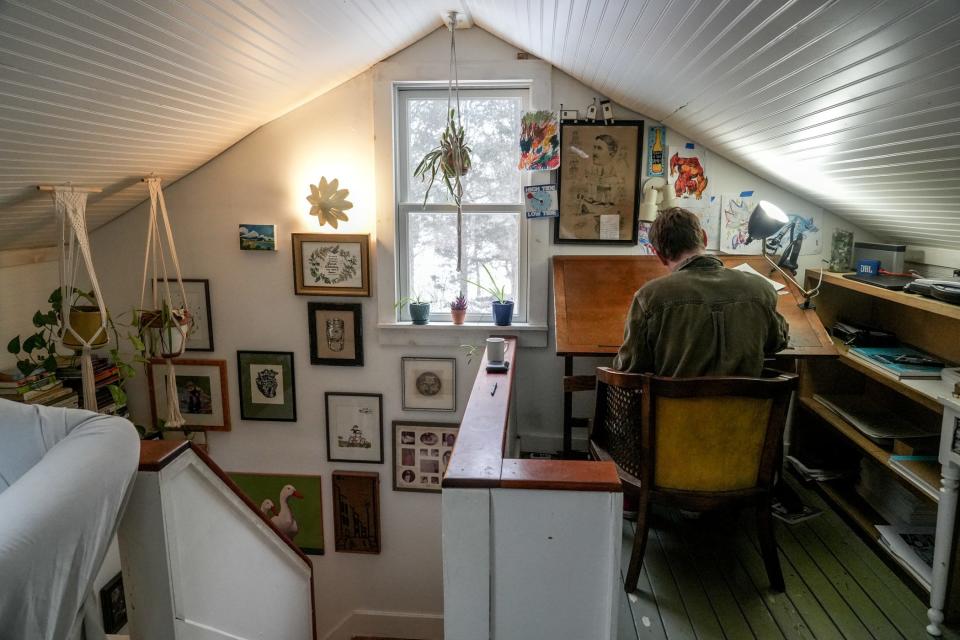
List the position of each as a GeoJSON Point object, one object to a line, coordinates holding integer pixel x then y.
{"type": "Point", "coordinates": [71, 205]}
{"type": "Point", "coordinates": [453, 95]}
{"type": "Point", "coordinates": [160, 242]}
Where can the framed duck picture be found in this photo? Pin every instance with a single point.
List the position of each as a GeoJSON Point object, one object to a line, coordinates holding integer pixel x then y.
{"type": "Point", "coordinates": [292, 503]}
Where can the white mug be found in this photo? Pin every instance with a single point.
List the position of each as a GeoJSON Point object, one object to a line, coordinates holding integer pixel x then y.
{"type": "Point", "coordinates": [495, 349]}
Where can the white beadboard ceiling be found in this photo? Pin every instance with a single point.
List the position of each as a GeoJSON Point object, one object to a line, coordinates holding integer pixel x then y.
{"type": "Point", "coordinates": [854, 104]}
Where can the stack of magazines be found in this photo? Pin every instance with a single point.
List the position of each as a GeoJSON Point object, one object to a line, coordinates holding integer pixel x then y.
{"type": "Point", "coordinates": [40, 387]}
{"type": "Point", "coordinates": [903, 363]}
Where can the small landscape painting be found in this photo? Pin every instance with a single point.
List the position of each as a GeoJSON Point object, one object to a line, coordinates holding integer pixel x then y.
{"type": "Point", "coordinates": [258, 237]}
{"type": "Point", "coordinates": [293, 503]}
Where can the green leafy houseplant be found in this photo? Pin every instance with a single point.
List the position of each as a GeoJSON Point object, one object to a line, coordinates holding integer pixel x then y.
{"type": "Point", "coordinates": [502, 307]}
{"type": "Point", "coordinates": [419, 308]}
{"type": "Point", "coordinates": [450, 160]}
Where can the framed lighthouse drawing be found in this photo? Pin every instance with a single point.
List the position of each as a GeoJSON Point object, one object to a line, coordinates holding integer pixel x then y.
{"type": "Point", "coordinates": [354, 427]}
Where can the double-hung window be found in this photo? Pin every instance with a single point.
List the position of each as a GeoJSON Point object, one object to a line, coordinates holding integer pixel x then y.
{"type": "Point", "coordinates": [493, 233]}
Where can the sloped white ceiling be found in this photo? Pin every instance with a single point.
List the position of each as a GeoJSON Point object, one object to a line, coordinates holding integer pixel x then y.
{"type": "Point", "coordinates": [854, 103]}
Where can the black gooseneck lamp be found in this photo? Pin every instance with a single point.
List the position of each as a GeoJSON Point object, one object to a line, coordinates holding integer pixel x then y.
{"type": "Point", "coordinates": [769, 224]}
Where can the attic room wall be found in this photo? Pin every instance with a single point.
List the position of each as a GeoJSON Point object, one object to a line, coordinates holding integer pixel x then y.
{"type": "Point", "coordinates": [24, 288]}
{"type": "Point", "coordinates": [263, 179]}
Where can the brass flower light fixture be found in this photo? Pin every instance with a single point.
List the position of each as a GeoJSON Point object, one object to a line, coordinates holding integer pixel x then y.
{"type": "Point", "coordinates": [328, 202]}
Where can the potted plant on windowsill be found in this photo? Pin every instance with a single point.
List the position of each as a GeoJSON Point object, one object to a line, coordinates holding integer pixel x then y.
{"type": "Point", "coordinates": [502, 307]}
{"type": "Point", "coordinates": [164, 331]}
{"type": "Point", "coordinates": [419, 309]}
{"type": "Point", "coordinates": [458, 309]}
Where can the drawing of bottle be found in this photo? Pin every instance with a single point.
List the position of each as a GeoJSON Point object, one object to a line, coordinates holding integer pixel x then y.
{"type": "Point", "coordinates": [656, 153]}
{"type": "Point", "coordinates": [335, 334]}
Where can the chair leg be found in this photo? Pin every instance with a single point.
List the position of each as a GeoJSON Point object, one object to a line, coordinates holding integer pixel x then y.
{"type": "Point", "coordinates": [639, 544]}
{"type": "Point", "coordinates": [768, 546]}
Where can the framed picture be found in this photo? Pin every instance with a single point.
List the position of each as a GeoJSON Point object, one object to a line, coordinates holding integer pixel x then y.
{"type": "Point", "coordinates": [113, 605]}
{"type": "Point", "coordinates": [336, 333]}
{"type": "Point", "coordinates": [201, 393]}
{"type": "Point", "coordinates": [356, 511]}
{"type": "Point", "coordinates": [354, 427]}
{"type": "Point", "coordinates": [267, 386]}
{"type": "Point", "coordinates": [421, 453]}
{"type": "Point", "coordinates": [294, 503]}
{"type": "Point", "coordinates": [327, 264]}
{"type": "Point", "coordinates": [198, 302]}
{"type": "Point", "coordinates": [599, 183]}
{"type": "Point", "coordinates": [258, 237]}
{"type": "Point", "coordinates": [429, 384]}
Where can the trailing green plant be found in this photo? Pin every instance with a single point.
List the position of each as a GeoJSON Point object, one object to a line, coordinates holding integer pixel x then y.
{"type": "Point", "coordinates": [459, 303]}
{"type": "Point", "coordinates": [450, 160]}
{"type": "Point", "coordinates": [495, 290]}
{"type": "Point", "coordinates": [152, 324]}
{"type": "Point", "coordinates": [417, 299]}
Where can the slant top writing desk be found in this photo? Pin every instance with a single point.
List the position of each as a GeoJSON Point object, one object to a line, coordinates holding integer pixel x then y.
{"type": "Point", "coordinates": [592, 295]}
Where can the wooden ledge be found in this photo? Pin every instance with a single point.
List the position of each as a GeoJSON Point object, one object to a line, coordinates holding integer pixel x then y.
{"type": "Point", "coordinates": [560, 475]}
{"type": "Point", "coordinates": [156, 454]}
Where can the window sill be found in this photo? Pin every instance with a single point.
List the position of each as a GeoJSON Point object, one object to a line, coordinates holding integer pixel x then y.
{"type": "Point", "coordinates": [449, 334]}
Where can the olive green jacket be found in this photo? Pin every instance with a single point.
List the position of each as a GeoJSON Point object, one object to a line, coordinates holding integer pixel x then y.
{"type": "Point", "coordinates": [702, 320]}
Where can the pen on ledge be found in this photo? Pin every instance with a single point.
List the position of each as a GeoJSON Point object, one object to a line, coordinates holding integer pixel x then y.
{"type": "Point", "coordinates": [494, 390]}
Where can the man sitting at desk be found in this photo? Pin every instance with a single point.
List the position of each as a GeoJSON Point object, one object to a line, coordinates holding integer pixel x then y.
{"type": "Point", "coordinates": [702, 319]}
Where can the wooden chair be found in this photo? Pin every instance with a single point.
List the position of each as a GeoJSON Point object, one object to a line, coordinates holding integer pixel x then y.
{"type": "Point", "coordinates": [696, 444]}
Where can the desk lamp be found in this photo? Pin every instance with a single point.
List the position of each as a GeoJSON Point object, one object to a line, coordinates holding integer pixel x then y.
{"type": "Point", "coordinates": [657, 196]}
{"type": "Point", "coordinates": [769, 220]}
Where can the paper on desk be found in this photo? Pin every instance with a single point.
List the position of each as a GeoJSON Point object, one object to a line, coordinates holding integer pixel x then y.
{"type": "Point", "coordinates": [748, 269]}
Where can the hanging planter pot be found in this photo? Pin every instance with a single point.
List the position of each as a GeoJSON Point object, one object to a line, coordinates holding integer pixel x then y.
{"type": "Point", "coordinates": [87, 328]}
{"type": "Point", "coordinates": [164, 332]}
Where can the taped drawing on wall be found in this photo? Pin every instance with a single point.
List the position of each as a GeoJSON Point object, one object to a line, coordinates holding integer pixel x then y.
{"type": "Point", "coordinates": [643, 239]}
{"type": "Point", "coordinates": [708, 210]}
{"type": "Point", "coordinates": [688, 171]}
{"type": "Point", "coordinates": [733, 224]}
{"type": "Point", "coordinates": [539, 141]}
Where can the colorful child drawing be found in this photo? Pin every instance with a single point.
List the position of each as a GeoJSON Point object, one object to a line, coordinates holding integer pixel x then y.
{"type": "Point", "coordinates": [539, 141]}
{"type": "Point", "coordinates": [690, 177]}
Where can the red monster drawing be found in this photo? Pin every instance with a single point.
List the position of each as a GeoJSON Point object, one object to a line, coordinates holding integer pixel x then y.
{"type": "Point", "coordinates": [690, 178]}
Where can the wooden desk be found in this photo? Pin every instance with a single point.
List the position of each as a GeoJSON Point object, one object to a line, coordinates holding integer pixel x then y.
{"type": "Point", "coordinates": [592, 295]}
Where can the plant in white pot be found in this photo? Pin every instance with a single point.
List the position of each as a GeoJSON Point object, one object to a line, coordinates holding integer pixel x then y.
{"type": "Point", "coordinates": [164, 331]}
{"type": "Point", "coordinates": [502, 306]}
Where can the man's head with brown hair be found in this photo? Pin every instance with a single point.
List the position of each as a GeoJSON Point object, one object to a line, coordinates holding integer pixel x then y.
{"type": "Point", "coordinates": [676, 234]}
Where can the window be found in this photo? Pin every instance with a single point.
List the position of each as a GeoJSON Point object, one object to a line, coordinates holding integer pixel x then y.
{"type": "Point", "coordinates": [492, 203]}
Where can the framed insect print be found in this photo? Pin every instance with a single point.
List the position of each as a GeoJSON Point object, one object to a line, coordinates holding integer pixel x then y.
{"type": "Point", "coordinates": [356, 511]}
{"type": "Point", "coordinates": [354, 427]}
{"type": "Point", "coordinates": [599, 183]}
{"type": "Point", "coordinates": [336, 333]}
{"type": "Point", "coordinates": [201, 393]}
{"type": "Point", "coordinates": [429, 384]}
{"type": "Point", "coordinates": [421, 453]}
{"type": "Point", "coordinates": [267, 385]}
{"type": "Point", "coordinates": [327, 264]}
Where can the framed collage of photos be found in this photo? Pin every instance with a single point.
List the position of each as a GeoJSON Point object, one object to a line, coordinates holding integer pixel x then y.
{"type": "Point", "coordinates": [267, 386]}
{"type": "Point", "coordinates": [421, 453]}
{"type": "Point", "coordinates": [354, 427]}
{"type": "Point", "coordinates": [201, 393]}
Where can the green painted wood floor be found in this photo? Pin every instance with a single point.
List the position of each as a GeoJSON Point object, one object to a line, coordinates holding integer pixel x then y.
{"type": "Point", "coordinates": [704, 579]}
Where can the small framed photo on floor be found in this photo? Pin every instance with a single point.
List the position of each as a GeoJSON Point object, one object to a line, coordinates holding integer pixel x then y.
{"type": "Point", "coordinates": [421, 453]}
{"type": "Point", "coordinates": [356, 511]}
{"type": "Point", "coordinates": [331, 264]}
{"type": "Point", "coordinates": [429, 384]}
{"type": "Point", "coordinates": [267, 385]}
{"type": "Point", "coordinates": [197, 290]}
{"type": "Point", "coordinates": [201, 393]}
{"type": "Point", "coordinates": [354, 427]}
{"type": "Point", "coordinates": [336, 334]}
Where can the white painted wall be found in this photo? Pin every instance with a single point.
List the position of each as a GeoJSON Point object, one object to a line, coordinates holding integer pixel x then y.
{"type": "Point", "coordinates": [263, 179]}
{"type": "Point", "coordinates": [24, 289]}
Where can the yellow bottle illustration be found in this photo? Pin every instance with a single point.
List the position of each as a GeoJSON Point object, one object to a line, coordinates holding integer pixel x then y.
{"type": "Point", "coordinates": [656, 155]}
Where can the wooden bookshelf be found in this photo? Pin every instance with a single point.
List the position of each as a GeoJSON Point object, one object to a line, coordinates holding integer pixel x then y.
{"type": "Point", "coordinates": [910, 300]}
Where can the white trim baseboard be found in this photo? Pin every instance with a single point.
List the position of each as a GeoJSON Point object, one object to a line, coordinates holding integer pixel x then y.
{"type": "Point", "coordinates": [400, 624]}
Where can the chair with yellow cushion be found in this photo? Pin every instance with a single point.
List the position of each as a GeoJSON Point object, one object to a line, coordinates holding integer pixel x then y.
{"type": "Point", "coordinates": [696, 444]}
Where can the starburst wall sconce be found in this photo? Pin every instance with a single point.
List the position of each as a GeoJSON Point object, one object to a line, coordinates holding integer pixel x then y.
{"type": "Point", "coordinates": [328, 202]}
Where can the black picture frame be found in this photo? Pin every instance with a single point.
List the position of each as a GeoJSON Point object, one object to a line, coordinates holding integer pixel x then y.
{"type": "Point", "coordinates": [409, 472]}
{"type": "Point", "coordinates": [206, 297]}
{"type": "Point", "coordinates": [569, 164]}
{"type": "Point", "coordinates": [285, 412]}
{"type": "Point", "coordinates": [354, 356]}
{"type": "Point", "coordinates": [377, 459]}
{"type": "Point", "coordinates": [113, 605]}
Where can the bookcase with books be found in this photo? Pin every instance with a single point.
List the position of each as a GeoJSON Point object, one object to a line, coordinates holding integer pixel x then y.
{"type": "Point", "coordinates": [871, 418]}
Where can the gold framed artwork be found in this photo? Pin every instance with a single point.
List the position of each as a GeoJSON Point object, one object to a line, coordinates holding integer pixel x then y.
{"type": "Point", "coordinates": [201, 393]}
{"type": "Point", "coordinates": [331, 264]}
{"type": "Point", "coordinates": [421, 453]}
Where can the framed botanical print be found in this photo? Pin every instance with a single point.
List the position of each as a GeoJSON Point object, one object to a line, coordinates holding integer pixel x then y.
{"type": "Point", "coordinates": [336, 333]}
{"type": "Point", "coordinates": [599, 183]}
{"type": "Point", "coordinates": [429, 384]}
{"type": "Point", "coordinates": [356, 511]}
{"type": "Point", "coordinates": [327, 264]}
{"type": "Point", "coordinates": [421, 453]}
{"type": "Point", "coordinates": [267, 386]}
{"type": "Point", "coordinates": [200, 337]}
{"type": "Point", "coordinates": [293, 503]}
{"type": "Point", "coordinates": [354, 427]}
{"type": "Point", "coordinates": [201, 393]}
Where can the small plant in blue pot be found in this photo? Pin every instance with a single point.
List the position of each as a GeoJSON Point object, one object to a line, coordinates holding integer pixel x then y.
{"type": "Point", "coordinates": [419, 309]}
{"type": "Point", "coordinates": [502, 308]}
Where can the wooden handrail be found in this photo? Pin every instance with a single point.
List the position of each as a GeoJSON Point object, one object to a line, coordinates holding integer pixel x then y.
{"type": "Point", "coordinates": [478, 462]}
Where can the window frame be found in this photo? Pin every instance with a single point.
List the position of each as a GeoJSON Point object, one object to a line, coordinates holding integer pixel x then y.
{"type": "Point", "coordinates": [439, 311]}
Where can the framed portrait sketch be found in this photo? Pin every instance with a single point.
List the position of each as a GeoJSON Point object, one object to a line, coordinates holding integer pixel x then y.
{"type": "Point", "coordinates": [356, 511]}
{"type": "Point", "coordinates": [421, 453]}
{"type": "Point", "coordinates": [336, 334]}
{"type": "Point", "coordinates": [354, 427]}
{"type": "Point", "coordinates": [201, 393]}
{"type": "Point", "coordinates": [429, 384]}
{"type": "Point", "coordinates": [293, 503]}
{"type": "Point", "coordinates": [327, 264]}
{"type": "Point", "coordinates": [267, 385]}
{"type": "Point", "coordinates": [599, 183]}
{"type": "Point", "coordinates": [198, 302]}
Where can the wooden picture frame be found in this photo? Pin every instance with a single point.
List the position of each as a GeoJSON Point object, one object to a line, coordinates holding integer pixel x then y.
{"type": "Point", "coordinates": [421, 453]}
{"type": "Point", "coordinates": [352, 426]}
{"type": "Point", "coordinates": [200, 337]}
{"type": "Point", "coordinates": [356, 511]}
{"type": "Point", "coordinates": [331, 264]}
{"type": "Point", "coordinates": [205, 401]}
{"type": "Point", "coordinates": [428, 384]}
{"type": "Point", "coordinates": [340, 340]}
{"type": "Point", "coordinates": [268, 386]}
{"type": "Point", "coordinates": [304, 512]}
{"type": "Point", "coordinates": [113, 605]}
{"type": "Point", "coordinates": [606, 183]}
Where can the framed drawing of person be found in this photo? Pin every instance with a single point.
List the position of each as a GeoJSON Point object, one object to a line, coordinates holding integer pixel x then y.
{"type": "Point", "coordinates": [599, 183]}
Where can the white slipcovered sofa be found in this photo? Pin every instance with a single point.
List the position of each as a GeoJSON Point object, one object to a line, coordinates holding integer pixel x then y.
{"type": "Point", "coordinates": [65, 475]}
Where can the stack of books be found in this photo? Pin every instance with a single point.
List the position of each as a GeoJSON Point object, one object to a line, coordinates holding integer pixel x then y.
{"type": "Point", "coordinates": [105, 373]}
{"type": "Point", "coordinates": [892, 500]}
{"type": "Point", "coordinates": [903, 363]}
{"type": "Point", "coordinates": [40, 387]}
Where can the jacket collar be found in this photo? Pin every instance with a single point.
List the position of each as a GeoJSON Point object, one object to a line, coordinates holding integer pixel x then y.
{"type": "Point", "coordinates": [700, 261]}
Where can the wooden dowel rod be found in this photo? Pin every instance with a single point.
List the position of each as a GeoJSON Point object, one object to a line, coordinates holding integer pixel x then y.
{"type": "Point", "coordinates": [47, 187]}
{"type": "Point", "coordinates": [150, 176]}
